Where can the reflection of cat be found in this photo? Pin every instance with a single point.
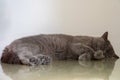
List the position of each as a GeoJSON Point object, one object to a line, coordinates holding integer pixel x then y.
{"type": "Point", "coordinates": [57, 47]}
{"type": "Point", "coordinates": [3, 76]}
{"type": "Point", "coordinates": [65, 70]}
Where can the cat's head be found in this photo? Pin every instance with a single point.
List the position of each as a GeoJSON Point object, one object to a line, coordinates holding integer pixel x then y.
{"type": "Point", "coordinates": [102, 43]}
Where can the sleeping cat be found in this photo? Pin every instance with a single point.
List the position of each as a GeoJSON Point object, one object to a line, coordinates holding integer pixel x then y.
{"type": "Point", "coordinates": [42, 49]}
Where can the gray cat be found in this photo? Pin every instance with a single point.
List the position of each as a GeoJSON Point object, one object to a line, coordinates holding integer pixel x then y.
{"type": "Point", "coordinates": [42, 49]}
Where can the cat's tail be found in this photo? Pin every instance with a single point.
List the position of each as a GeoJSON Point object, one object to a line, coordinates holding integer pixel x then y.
{"type": "Point", "coordinates": [8, 56]}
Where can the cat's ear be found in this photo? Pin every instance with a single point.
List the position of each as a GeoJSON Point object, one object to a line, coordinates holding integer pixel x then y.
{"type": "Point", "coordinates": [105, 36]}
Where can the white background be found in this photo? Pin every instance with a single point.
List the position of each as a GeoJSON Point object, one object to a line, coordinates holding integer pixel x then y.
{"type": "Point", "coordinates": [20, 18]}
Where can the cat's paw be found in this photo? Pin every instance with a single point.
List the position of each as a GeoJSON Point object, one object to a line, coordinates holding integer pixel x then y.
{"type": "Point", "coordinates": [40, 60]}
{"type": "Point", "coordinates": [99, 54]}
{"type": "Point", "coordinates": [43, 59]}
{"type": "Point", "coordinates": [33, 61]}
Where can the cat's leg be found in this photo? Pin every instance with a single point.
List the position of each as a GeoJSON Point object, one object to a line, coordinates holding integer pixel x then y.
{"type": "Point", "coordinates": [30, 54]}
{"type": "Point", "coordinates": [24, 56]}
{"type": "Point", "coordinates": [98, 55]}
{"type": "Point", "coordinates": [28, 57]}
{"type": "Point", "coordinates": [85, 57]}
{"type": "Point", "coordinates": [35, 59]}
{"type": "Point", "coordinates": [84, 52]}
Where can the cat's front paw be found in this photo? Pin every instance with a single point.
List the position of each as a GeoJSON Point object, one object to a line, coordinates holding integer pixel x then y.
{"type": "Point", "coordinates": [99, 54]}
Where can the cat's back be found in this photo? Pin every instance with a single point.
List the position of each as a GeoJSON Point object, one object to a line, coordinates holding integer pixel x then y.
{"type": "Point", "coordinates": [51, 40]}
{"type": "Point", "coordinates": [47, 38]}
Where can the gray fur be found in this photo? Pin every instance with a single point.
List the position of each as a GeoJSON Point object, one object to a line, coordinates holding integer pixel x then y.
{"type": "Point", "coordinates": [60, 47]}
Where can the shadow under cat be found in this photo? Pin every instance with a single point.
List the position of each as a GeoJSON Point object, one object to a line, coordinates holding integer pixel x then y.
{"type": "Point", "coordinates": [62, 70]}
